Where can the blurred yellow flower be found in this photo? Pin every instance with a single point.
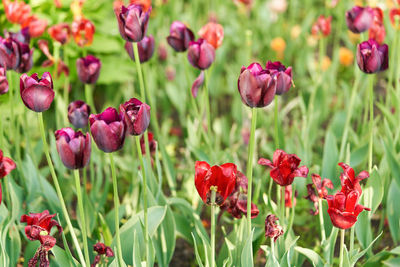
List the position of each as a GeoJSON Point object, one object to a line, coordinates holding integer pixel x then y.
{"type": "Point", "coordinates": [346, 56]}
{"type": "Point", "coordinates": [353, 37]}
{"type": "Point", "coordinates": [326, 63]}
{"type": "Point", "coordinates": [295, 32]}
{"type": "Point", "coordinates": [312, 41]}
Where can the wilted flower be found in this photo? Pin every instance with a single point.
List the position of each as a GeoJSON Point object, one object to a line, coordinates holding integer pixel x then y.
{"type": "Point", "coordinates": [3, 81]}
{"type": "Point", "coordinates": [282, 75]}
{"type": "Point", "coordinates": [272, 229]}
{"type": "Point", "coordinates": [101, 249]}
{"type": "Point", "coordinates": [322, 26]}
{"type": "Point", "coordinates": [285, 167]}
{"type": "Point", "coordinates": [321, 188]}
{"type": "Point", "coordinates": [136, 116]}
{"type": "Point", "coordinates": [6, 166]}
{"type": "Point", "coordinates": [359, 19]}
{"type": "Point", "coordinates": [372, 57]}
{"type": "Point", "coordinates": [60, 32]}
{"type": "Point", "coordinates": [61, 67]}
{"type": "Point", "coordinates": [26, 61]}
{"type": "Point", "coordinates": [348, 179]}
{"type": "Point", "coordinates": [201, 54]}
{"type": "Point", "coordinates": [108, 130]}
{"type": "Point", "coordinates": [145, 49]}
{"type": "Point", "coordinates": [78, 113]}
{"type": "Point", "coordinates": [197, 84]}
{"type": "Point", "coordinates": [83, 30]}
{"type": "Point", "coordinates": [346, 56]}
{"type": "Point", "coordinates": [132, 22]}
{"type": "Point", "coordinates": [220, 178]}
{"type": "Point", "coordinates": [10, 55]}
{"type": "Point", "coordinates": [256, 86]}
{"type": "Point", "coordinates": [37, 93]}
{"type": "Point", "coordinates": [213, 33]}
{"type": "Point", "coordinates": [179, 36]}
{"type": "Point", "coordinates": [88, 69]}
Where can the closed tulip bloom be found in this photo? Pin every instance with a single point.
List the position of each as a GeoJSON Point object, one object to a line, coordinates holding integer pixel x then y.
{"type": "Point", "coordinates": [73, 147]}
{"type": "Point", "coordinates": [132, 22]}
{"type": "Point", "coordinates": [359, 19]}
{"type": "Point", "coordinates": [372, 57]}
{"type": "Point", "coordinates": [6, 165]}
{"type": "Point", "coordinates": [146, 4]}
{"type": "Point", "coordinates": [88, 69]}
{"type": "Point", "coordinates": [26, 61]}
{"type": "Point", "coordinates": [83, 30]}
{"type": "Point", "coordinates": [9, 53]}
{"type": "Point", "coordinates": [179, 36]}
{"type": "Point", "coordinates": [60, 32]}
{"type": "Point", "coordinates": [213, 33]}
{"type": "Point", "coordinates": [37, 93]}
{"type": "Point", "coordinates": [108, 130]}
{"type": "Point", "coordinates": [3, 81]}
{"type": "Point", "coordinates": [221, 178]}
{"type": "Point", "coordinates": [136, 116]}
{"type": "Point", "coordinates": [78, 113]}
{"type": "Point", "coordinates": [282, 75]}
{"type": "Point", "coordinates": [322, 26]}
{"type": "Point", "coordinates": [201, 54]}
{"type": "Point", "coordinates": [145, 48]}
{"type": "Point", "coordinates": [257, 87]}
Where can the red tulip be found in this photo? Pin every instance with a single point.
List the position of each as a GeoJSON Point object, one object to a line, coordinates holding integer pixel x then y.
{"type": "Point", "coordinates": [60, 32]}
{"type": "Point", "coordinates": [213, 33]}
{"type": "Point", "coordinates": [3, 81]}
{"type": "Point", "coordinates": [349, 181]}
{"type": "Point", "coordinates": [272, 229]}
{"type": "Point", "coordinates": [83, 30]}
{"type": "Point", "coordinates": [321, 185]}
{"type": "Point", "coordinates": [37, 93]}
{"type": "Point", "coordinates": [136, 116]}
{"type": "Point", "coordinates": [394, 16]}
{"type": "Point", "coordinates": [201, 54]}
{"type": "Point", "coordinates": [179, 36]}
{"type": "Point", "coordinates": [6, 166]}
{"type": "Point", "coordinates": [17, 11]}
{"type": "Point", "coordinates": [322, 26]}
{"type": "Point", "coordinates": [35, 25]}
{"type": "Point", "coordinates": [88, 69]}
{"type": "Point", "coordinates": [78, 113]}
{"type": "Point", "coordinates": [132, 22]}
{"type": "Point", "coordinates": [152, 143]}
{"type": "Point", "coordinates": [39, 224]}
{"type": "Point", "coordinates": [221, 178]}
{"type": "Point", "coordinates": [377, 30]}
{"type": "Point", "coordinates": [101, 249]}
{"type": "Point", "coordinates": [285, 167]}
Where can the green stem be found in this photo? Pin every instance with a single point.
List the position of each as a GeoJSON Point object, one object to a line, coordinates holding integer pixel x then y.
{"type": "Point", "coordinates": [321, 220]}
{"type": "Point", "coordinates": [207, 101]}
{"type": "Point", "coordinates": [146, 230]}
{"type": "Point", "coordinates": [249, 171]}
{"type": "Point", "coordinates": [282, 204]}
{"type": "Point", "coordinates": [82, 215]}
{"type": "Point", "coordinates": [276, 122]}
{"type": "Point", "coordinates": [341, 247]}
{"type": "Point", "coordinates": [273, 247]}
{"type": "Point", "coordinates": [371, 121]}
{"type": "Point", "coordinates": [11, 102]}
{"type": "Point", "coordinates": [213, 208]}
{"type": "Point", "coordinates": [58, 189]}
{"type": "Point", "coordinates": [89, 97]}
{"type": "Point", "coordinates": [116, 210]}
{"type": "Point", "coordinates": [351, 238]}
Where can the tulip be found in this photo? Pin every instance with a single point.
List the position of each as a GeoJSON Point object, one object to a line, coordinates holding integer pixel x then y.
{"type": "Point", "coordinates": [359, 19]}
{"type": "Point", "coordinates": [145, 48]}
{"type": "Point", "coordinates": [152, 143]}
{"type": "Point", "coordinates": [179, 36]}
{"type": "Point", "coordinates": [322, 191]}
{"type": "Point", "coordinates": [213, 33]}
{"type": "Point", "coordinates": [132, 22]}
{"type": "Point", "coordinates": [60, 32]}
{"type": "Point", "coordinates": [88, 69]}
{"type": "Point", "coordinates": [3, 81]}
{"type": "Point", "coordinates": [201, 54]}
{"type": "Point", "coordinates": [349, 181]}
{"type": "Point", "coordinates": [21, 36]}
{"type": "Point", "coordinates": [289, 196]}
{"type": "Point", "coordinates": [6, 166]}
{"type": "Point", "coordinates": [10, 55]}
{"type": "Point", "coordinates": [272, 229]}
{"type": "Point", "coordinates": [73, 147]}
{"type": "Point", "coordinates": [101, 249]}
{"type": "Point", "coordinates": [312, 197]}
{"type": "Point", "coordinates": [162, 52]}
{"type": "Point", "coordinates": [136, 116]}
{"type": "Point", "coordinates": [16, 12]}
{"type": "Point", "coordinates": [322, 26]}
{"type": "Point", "coordinates": [26, 61]}
{"type": "Point", "coordinates": [78, 113]}
{"type": "Point", "coordinates": [37, 93]}
{"type": "Point", "coordinates": [221, 178]}
{"type": "Point", "coordinates": [284, 167]}
{"type": "Point", "coordinates": [394, 16]}
{"type": "Point", "coordinates": [282, 75]}
{"type": "Point", "coordinates": [83, 30]}
{"type": "Point", "coordinates": [372, 57]}
{"type": "Point", "coordinates": [36, 26]}
{"type": "Point", "coordinates": [108, 130]}
{"type": "Point", "coordinates": [377, 30]}
{"type": "Point", "coordinates": [256, 86]}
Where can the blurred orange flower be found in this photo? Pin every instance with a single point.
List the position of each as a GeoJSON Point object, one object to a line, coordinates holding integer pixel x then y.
{"type": "Point", "coordinates": [213, 33]}
{"type": "Point", "coordinates": [83, 31]}
{"type": "Point", "coordinates": [146, 4]}
{"type": "Point", "coordinates": [346, 56]}
{"type": "Point", "coordinates": [278, 45]}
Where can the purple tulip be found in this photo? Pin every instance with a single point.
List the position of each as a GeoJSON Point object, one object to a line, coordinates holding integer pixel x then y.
{"type": "Point", "coordinates": [78, 113]}
{"type": "Point", "coordinates": [145, 48]}
{"type": "Point", "coordinates": [132, 22]}
{"type": "Point", "coordinates": [73, 147]}
{"type": "Point", "coordinates": [21, 36]}
{"type": "Point", "coordinates": [201, 54]}
{"type": "Point", "coordinates": [9, 53]}
{"type": "Point", "coordinates": [179, 36]}
{"type": "Point", "coordinates": [88, 69]}
{"type": "Point", "coordinates": [136, 116]}
{"type": "Point", "coordinates": [3, 81]}
{"type": "Point", "coordinates": [108, 130]}
{"type": "Point", "coordinates": [256, 86]}
{"type": "Point", "coordinates": [372, 57]}
{"type": "Point", "coordinates": [37, 93]}
{"type": "Point", "coordinates": [282, 75]}
{"type": "Point", "coordinates": [26, 62]}
{"type": "Point", "coordinates": [359, 19]}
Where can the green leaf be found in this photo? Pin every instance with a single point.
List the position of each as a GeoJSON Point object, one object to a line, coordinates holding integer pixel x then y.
{"type": "Point", "coordinates": [314, 258]}
{"type": "Point", "coordinates": [196, 250]}
{"type": "Point", "coordinates": [287, 257]}
{"type": "Point", "coordinates": [61, 257]}
{"type": "Point", "coordinates": [247, 252]}
{"type": "Point", "coordinates": [354, 259]}
{"type": "Point", "coordinates": [394, 262]}
{"type": "Point", "coordinates": [394, 165]}
{"type": "Point", "coordinates": [393, 210]}
{"type": "Point", "coordinates": [329, 245]}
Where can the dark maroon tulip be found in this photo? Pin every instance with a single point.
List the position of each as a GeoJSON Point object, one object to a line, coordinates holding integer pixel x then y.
{"type": "Point", "coordinates": [256, 86]}
{"type": "Point", "coordinates": [9, 53]}
{"type": "Point", "coordinates": [37, 93]}
{"type": "Point", "coordinates": [26, 61]}
{"type": "Point", "coordinates": [73, 147]}
{"type": "Point", "coordinates": [101, 249]}
{"type": "Point", "coordinates": [88, 69]}
{"type": "Point", "coordinates": [179, 36]}
{"type": "Point", "coordinates": [132, 22]}
{"type": "Point", "coordinates": [282, 75]}
{"type": "Point", "coordinates": [201, 54]}
{"type": "Point", "coordinates": [359, 19]}
{"type": "Point", "coordinates": [21, 36]}
{"type": "Point", "coordinates": [145, 48]}
{"type": "Point", "coordinates": [272, 229]}
{"type": "Point", "coordinates": [3, 81]}
{"type": "Point", "coordinates": [108, 130]}
{"type": "Point", "coordinates": [78, 113]}
{"type": "Point", "coordinates": [136, 116]}
{"type": "Point", "coordinates": [372, 57]}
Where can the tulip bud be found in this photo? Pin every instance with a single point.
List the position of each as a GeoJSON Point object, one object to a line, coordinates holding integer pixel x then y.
{"type": "Point", "coordinates": [78, 113]}
{"type": "Point", "coordinates": [108, 130]}
{"type": "Point", "coordinates": [88, 69]}
{"type": "Point", "coordinates": [37, 93]}
{"type": "Point", "coordinates": [145, 48]}
{"type": "Point", "coordinates": [282, 75]}
{"type": "Point", "coordinates": [73, 147]}
{"type": "Point", "coordinates": [10, 55]}
{"type": "Point", "coordinates": [359, 19]}
{"type": "Point", "coordinates": [132, 22]}
{"type": "Point", "coordinates": [201, 54]}
{"type": "Point", "coordinates": [322, 26]}
{"type": "Point", "coordinates": [136, 116]}
{"type": "Point", "coordinates": [256, 86]}
{"type": "Point", "coordinates": [372, 57]}
{"type": "Point", "coordinates": [60, 32]}
{"type": "Point", "coordinates": [26, 62]}
{"type": "Point", "coordinates": [179, 36]}
{"type": "Point", "coordinates": [213, 33]}
{"type": "Point", "coordinates": [3, 81]}
{"type": "Point", "coordinates": [83, 30]}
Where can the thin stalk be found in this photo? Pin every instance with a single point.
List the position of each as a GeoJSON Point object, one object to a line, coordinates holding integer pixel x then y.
{"type": "Point", "coordinates": [207, 101]}
{"type": "Point", "coordinates": [371, 121]}
{"type": "Point", "coordinates": [82, 215]}
{"type": "Point", "coordinates": [146, 230]}
{"type": "Point", "coordinates": [273, 247]}
{"type": "Point", "coordinates": [351, 238]}
{"type": "Point", "coordinates": [89, 97]}
{"type": "Point", "coordinates": [391, 70]}
{"type": "Point", "coordinates": [116, 209]}
{"type": "Point", "coordinates": [213, 208]}
{"type": "Point", "coordinates": [11, 101]}
{"type": "Point", "coordinates": [321, 220]}
{"type": "Point", "coordinates": [249, 170]}
{"type": "Point", "coordinates": [341, 247]}
{"type": "Point", "coordinates": [58, 190]}
{"type": "Point", "coordinates": [276, 122]}
{"type": "Point", "coordinates": [282, 204]}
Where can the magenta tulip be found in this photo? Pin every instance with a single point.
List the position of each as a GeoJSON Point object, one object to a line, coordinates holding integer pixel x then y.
{"type": "Point", "coordinates": [145, 49]}
{"type": "Point", "coordinates": [201, 54]}
{"type": "Point", "coordinates": [37, 93]}
{"type": "Point", "coordinates": [372, 57]}
{"type": "Point", "coordinates": [179, 36]}
{"type": "Point", "coordinates": [88, 69]}
{"type": "Point", "coordinates": [132, 22]}
{"type": "Point", "coordinates": [78, 113]}
{"type": "Point", "coordinates": [136, 116]}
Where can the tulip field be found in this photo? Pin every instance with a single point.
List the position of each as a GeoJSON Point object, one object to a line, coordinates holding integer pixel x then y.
{"type": "Point", "coordinates": [199, 133]}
